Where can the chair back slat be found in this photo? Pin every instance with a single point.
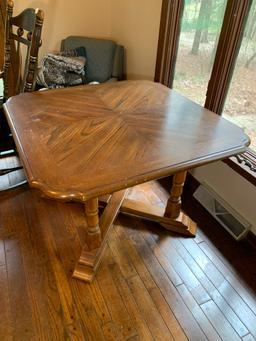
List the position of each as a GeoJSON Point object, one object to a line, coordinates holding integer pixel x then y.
{"type": "Point", "coordinates": [20, 39]}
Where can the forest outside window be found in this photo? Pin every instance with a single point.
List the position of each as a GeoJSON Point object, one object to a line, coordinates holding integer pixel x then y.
{"type": "Point", "coordinates": [200, 30]}
{"type": "Point", "coordinates": [213, 56]}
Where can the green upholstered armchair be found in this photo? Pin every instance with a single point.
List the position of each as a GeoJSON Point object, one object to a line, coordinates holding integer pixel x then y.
{"type": "Point", "coordinates": [104, 58]}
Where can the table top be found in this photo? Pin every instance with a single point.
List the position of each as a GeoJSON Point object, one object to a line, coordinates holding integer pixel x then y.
{"type": "Point", "coordinates": [85, 141]}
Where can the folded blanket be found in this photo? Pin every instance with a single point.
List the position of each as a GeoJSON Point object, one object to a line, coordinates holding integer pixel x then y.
{"type": "Point", "coordinates": [62, 69]}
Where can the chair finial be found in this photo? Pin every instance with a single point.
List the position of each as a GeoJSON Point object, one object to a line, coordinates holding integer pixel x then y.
{"type": "Point", "coordinates": [39, 14]}
{"type": "Point", "coordinates": [10, 3]}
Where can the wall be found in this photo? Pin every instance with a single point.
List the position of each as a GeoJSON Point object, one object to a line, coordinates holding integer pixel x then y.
{"type": "Point", "coordinates": [135, 24]}
{"type": "Point", "coordinates": [63, 18]}
{"type": "Point", "coordinates": [132, 23]}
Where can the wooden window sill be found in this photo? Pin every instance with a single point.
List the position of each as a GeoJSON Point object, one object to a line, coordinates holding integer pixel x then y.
{"type": "Point", "coordinates": [244, 164]}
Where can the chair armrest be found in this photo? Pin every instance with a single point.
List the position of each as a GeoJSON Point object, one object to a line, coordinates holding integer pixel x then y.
{"type": "Point", "coordinates": [1, 74]}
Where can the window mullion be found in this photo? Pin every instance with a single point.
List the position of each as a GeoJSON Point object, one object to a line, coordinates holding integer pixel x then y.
{"type": "Point", "coordinates": [227, 50]}
{"type": "Point", "coordinates": [170, 24]}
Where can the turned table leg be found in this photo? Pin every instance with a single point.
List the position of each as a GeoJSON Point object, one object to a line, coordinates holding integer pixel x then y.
{"type": "Point", "coordinates": [93, 228]}
{"type": "Point", "coordinates": [97, 234]}
{"type": "Point", "coordinates": [173, 205]}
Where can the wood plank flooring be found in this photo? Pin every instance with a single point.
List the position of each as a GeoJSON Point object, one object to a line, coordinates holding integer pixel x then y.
{"type": "Point", "coordinates": [151, 284]}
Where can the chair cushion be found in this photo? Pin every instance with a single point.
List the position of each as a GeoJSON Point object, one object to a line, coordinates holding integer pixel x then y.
{"type": "Point", "coordinates": [99, 55]}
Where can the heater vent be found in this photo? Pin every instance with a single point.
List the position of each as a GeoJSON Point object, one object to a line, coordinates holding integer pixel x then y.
{"type": "Point", "coordinates": [232, 221]}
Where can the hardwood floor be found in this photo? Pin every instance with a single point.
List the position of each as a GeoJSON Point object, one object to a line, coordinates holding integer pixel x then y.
{"type": "Point", "coordinates": [151, 284]}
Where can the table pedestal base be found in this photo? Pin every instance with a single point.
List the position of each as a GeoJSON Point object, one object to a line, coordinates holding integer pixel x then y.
{"type": "Point", "coordinates": [182, 224]}
{"type": "Point", "coordinates": [170, 217]}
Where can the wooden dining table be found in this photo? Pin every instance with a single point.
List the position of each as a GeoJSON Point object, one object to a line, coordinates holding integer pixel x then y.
{"type": "Point", "coordinates": [91, 143]}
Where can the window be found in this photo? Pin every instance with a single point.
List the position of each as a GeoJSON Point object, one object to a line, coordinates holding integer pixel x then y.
{"type": "Point", "coordinates": [202, 39]}
{"type": "Point", "coordinates": [200, 30]}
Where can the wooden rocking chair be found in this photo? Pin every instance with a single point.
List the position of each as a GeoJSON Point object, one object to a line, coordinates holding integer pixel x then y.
{"type": "Point", "coordinates": [22, 42]}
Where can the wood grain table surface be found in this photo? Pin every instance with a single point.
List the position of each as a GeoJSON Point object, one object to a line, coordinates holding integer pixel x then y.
{"type": "Point", "coordinates": [86, 141]}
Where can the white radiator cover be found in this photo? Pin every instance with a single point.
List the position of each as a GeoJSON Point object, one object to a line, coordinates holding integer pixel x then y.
{"type": "Point", "coordinates": [229, 218]}
{"type": "Point", "coordinates": [239, 193]}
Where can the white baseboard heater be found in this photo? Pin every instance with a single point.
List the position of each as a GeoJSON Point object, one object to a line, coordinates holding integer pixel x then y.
{"type": "Point", "coordinates": [229, 218]}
